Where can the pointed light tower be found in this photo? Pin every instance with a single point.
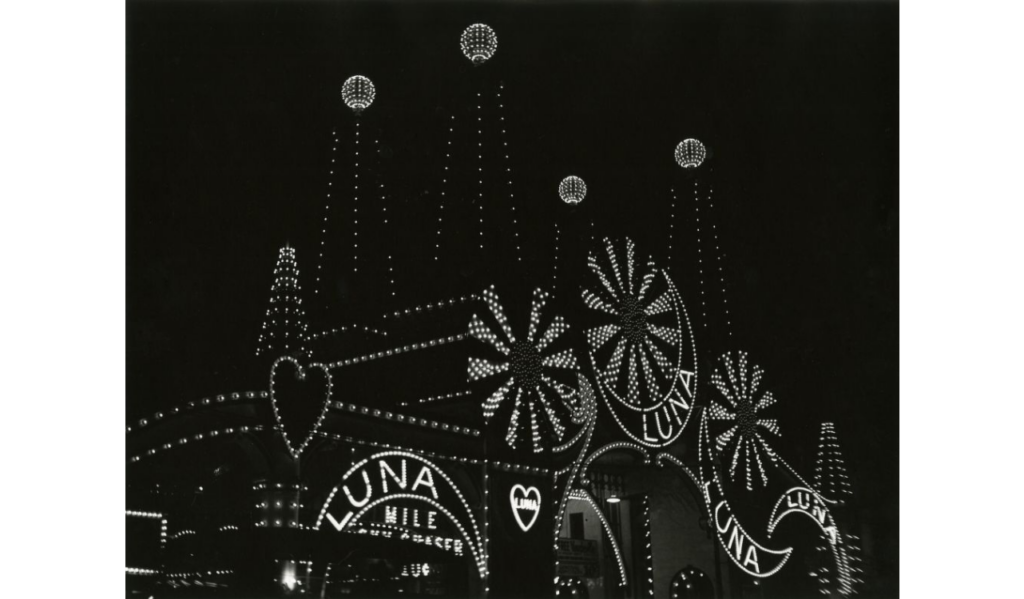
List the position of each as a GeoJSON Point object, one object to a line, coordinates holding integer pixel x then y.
{"type": "Point", "coordinates": [284, 326]}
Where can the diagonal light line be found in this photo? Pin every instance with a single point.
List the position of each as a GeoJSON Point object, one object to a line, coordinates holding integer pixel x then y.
{"type": "Point", "coordinates": [491, 298]}
{"type": "Point", "coordinates": [666, 334]}
{"type": "Point", "coordinates": [555, 330]}
{"type": "Point", "coordinates": [563, 359]}
{"type": "Point", "coordinates": [598, 336]}
{"type": "Point", "coordinates": [492, 402]}
{"type": "Point", "coordinates": [661, 305]}
{"type": "Point", "coordinates": [480, 331]}
{"type": "Point", "coordinates": [480, 368]}
{"type": "Point", "coordinates": [513, 423]}
{"type": "Point", "coordinates": [648, 279]}
{"type": "Point", "coordinates": [539, 299]}
{"type": "Point", "coordinates": [595, 302]}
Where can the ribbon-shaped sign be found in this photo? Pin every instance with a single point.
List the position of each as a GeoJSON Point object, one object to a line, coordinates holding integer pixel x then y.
{"type": "Point", "coordinates": [801, 500]}
{"type": "Point", "coordinates": [752, 557]}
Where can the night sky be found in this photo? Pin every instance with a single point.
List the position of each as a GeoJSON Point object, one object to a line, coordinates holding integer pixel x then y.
{"type": "Point", "coordinates": [230, 105]}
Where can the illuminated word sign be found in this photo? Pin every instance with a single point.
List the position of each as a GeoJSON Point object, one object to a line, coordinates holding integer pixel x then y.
{"type": "Point", "coordinates": [381, 477]}
{"type": "Point", "coordinates": [663, 424]}
{"type": "Point", "coordinates": [410, 517]}
{"type": "Point", "coordinates": [802, 500]}
{"type": "Point", "coordinates": [441, 542]}
{"type": "Point", "coordinates": [525, 505]}
{"type": "Point", "coordinates": [744, 551]}
{"type": "Point", "coordinates": [399, 480]}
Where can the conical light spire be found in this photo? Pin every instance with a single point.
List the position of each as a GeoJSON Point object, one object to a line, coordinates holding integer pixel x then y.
{"type": "Point", "coordinates": [830, 475]}
{"type": "Point", "coordinates": [284, 326]}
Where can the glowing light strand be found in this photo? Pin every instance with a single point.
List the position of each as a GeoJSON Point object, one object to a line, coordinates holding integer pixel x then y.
{"type": "Point", "coordinates": [611, 447]}
{"type": "Point", "coordinates": [437, 398]}
{"type": "Point", "coordinates": [209, 435]}
{"type": "Point", "coordinates": [718, 263]}
{"type": "Point", "coordinates": [508, 173]}
{"type": "Point", "coordinates": [398, 350]}
{"type": "Point", "coordinates": [327, 212]}
{"type": "Point", "coordinates": [426, 308]}
{"type": "Point", "coordinates": [522, 365]}
{"type": "Point", "coordinates": [386, 415]}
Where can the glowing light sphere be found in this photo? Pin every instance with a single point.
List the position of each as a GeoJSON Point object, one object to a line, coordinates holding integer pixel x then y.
{"type": "Point", "coordinates": [690, 153]}
{"type": "Point", "coordinates": [358, 93]}
{"type": "Point", "coordinates": [572, 190]}
{"type": "Point", "coordinates": [479, 42]}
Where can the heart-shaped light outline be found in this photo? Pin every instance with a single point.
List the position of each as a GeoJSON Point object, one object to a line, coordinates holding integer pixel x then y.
{"type": "Point", "coordinates": [515, 510]}
{"type": "Point", "coordinates": [277, 415]}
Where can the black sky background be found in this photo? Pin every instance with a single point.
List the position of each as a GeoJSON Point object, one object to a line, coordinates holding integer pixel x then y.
{"type": "Point", "coordinates": [230, 103]}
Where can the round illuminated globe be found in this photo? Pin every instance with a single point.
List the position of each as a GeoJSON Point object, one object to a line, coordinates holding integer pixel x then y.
{"type": "Point", "coordinates": [690, 153]}
{"type": "Point", "coordinates": [479, 42]}
{"type": "Point", "coordinates": [358, 93]}
{"type": "Point", "coordinates": [572, 190]}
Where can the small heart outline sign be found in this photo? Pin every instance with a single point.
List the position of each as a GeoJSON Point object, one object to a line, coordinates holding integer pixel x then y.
{"type": "Point", "coordinates": [301, 374]}
{"type": "Point", "coordinates": [524, 503]}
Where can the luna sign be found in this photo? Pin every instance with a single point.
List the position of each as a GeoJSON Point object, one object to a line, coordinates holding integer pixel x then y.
{"type": "Point", "coordinates": [400, 476]}
{"type": "Point", "coordinates": [801, 500]}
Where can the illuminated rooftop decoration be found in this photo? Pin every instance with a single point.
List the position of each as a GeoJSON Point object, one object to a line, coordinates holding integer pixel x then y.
{"type": "Point", "coordinates": [572, 190]}
{"type": "Point", "coordinates": [739, 384]}
{"type": "Point", "coordinates": [830, 478]}
{"type": "Point", "coordinates": [479, 42]}
{"type": "Point", "coordinates": [529, 370]}
{"type": "Point", "coordinates": [690, 153]}
{"type": "Point", "coordinates": [358, 93]}
{"type": "Point", "coordinates": [285, 330]}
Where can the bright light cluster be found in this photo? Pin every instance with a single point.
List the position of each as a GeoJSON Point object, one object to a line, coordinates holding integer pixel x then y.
{"type": "Point", "coordinates": [358, 93]}
{"type": "Point", "coordinates": [690, 153]}
{"type": "Point", "coordinates": [646, 345]}
{"type": "Point", "coordinates": [572, 190]}
{"type": "Point", "coordinates": [527, 367]}
{"type": "Point", "coordinates": [284, 327]}
{"type": "Point", "coordinates": [479, 43]}
{"type": "Point", "coordinates": [739, 385]}
{"type": "Point", "coordinates": [137, 514]}
{"type": "Point", "coordinates": [206, 401]}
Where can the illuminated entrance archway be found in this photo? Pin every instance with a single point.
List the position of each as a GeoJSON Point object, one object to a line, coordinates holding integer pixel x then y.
{"type": "Point", "coordinates": [394, 484]}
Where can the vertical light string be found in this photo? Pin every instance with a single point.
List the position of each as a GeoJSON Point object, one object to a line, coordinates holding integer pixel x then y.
{"type": "Point", "coordinates": [672, 225]}
{"type": "Point", "coordinates": [700, 256]}
{"type": "Point", "coordinates": [327, 211]}
{"type": "Point", "coordinates": [554, 277]}
{"type": "Point", "coordinates": [480, 164]}
{"type": "Point", "coordinates": [444, 187]}
{"type": "Point", "coordinates": [355, 206]}
{"type": "Point", "coordinates": [718, 260]}
{"type": "Point", "coordinates": [487, 527]}
{"type": "Point", "coordinates": [648, 551]}
{"type": "Point", "coordinates": [508, 173]}
{"type": "Point", "coordinates": [384, 230]}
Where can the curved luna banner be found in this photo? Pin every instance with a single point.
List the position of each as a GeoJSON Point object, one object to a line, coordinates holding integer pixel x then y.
{"type": "Point", "coordinates": [801, 500]}
{"type": "Point", "coordinates": [752, 557]}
